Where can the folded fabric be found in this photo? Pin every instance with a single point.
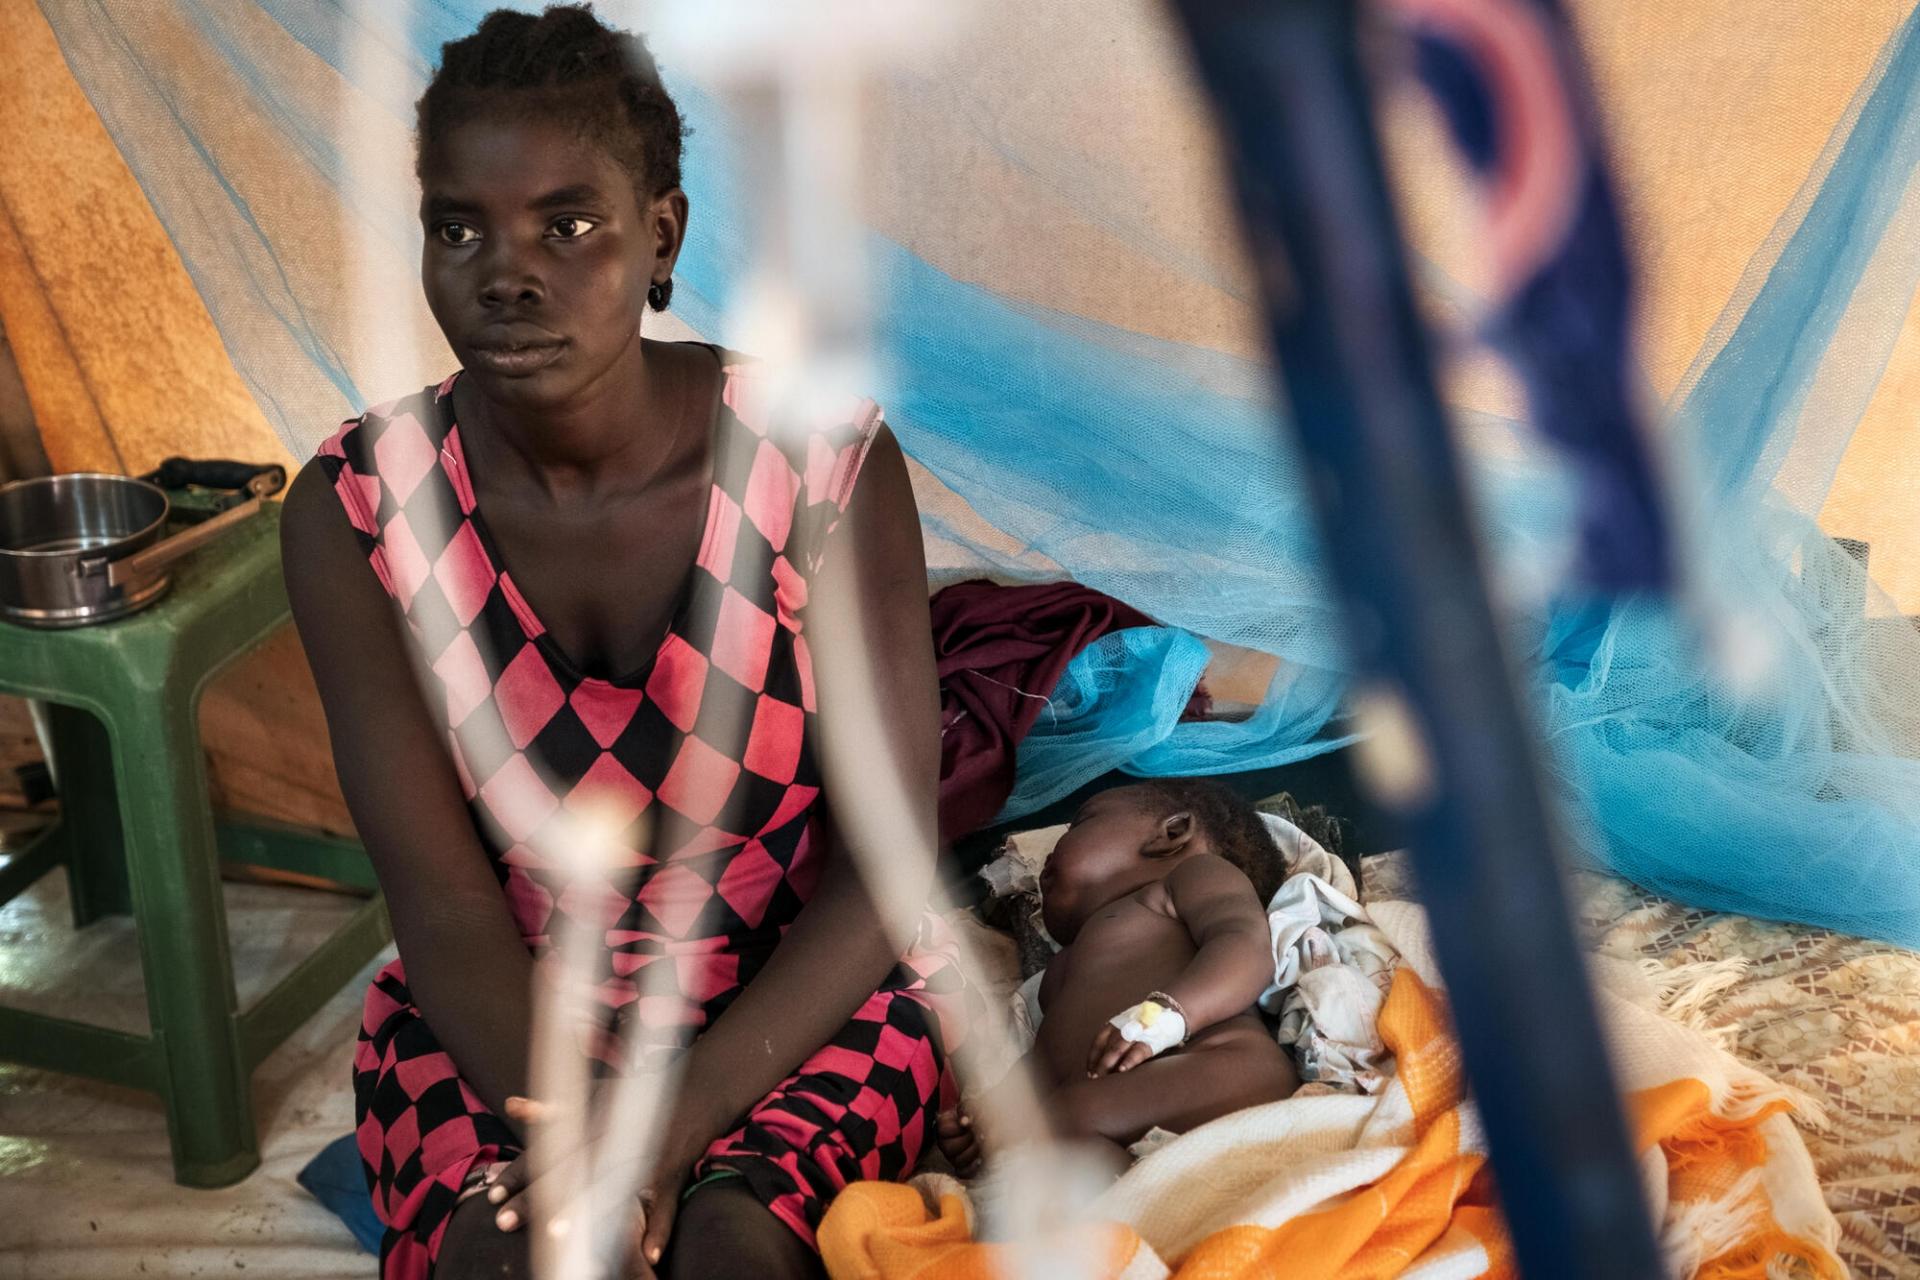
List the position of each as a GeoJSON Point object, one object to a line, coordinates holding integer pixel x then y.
{"type": "Point", "coordinates": [999, 651]}
{"type": "Point", "coordinates": [1331, 967]}
{"type": "Point", "coordinates": [1304, 904]}
{"type": "Point", "coordinates": [887, 1231]}
{"type": "Point", "coordinates": [1304, 855]}
{"type": "Point", "coordinates": [1015, 871]}
{"type": "Point", "coordinates": [336, 1180]}
{"type": "Point", "coordinates": [1398, 1184]}
{"type": "Point", "coordinates": [1329, 1022]}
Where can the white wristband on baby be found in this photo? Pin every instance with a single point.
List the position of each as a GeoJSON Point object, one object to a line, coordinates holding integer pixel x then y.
{"type": "Point", "coordinates": [1158, 1026]}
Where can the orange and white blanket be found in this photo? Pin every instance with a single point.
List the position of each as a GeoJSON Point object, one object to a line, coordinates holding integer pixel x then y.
{"type": "Point", "coordinates": [1398, 1184]}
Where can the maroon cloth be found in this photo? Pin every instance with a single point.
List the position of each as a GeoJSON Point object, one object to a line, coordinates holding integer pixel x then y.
{"type": "Point", "coordinates": [1000, 651]}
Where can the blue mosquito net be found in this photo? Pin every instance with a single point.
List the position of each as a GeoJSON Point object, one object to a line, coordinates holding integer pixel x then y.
{"type": "Point", "coordinates": [1751, 746]}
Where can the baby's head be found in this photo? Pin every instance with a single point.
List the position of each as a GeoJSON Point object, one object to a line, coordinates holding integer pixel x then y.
{"type": "Point", "coordinates": [1128, 837]}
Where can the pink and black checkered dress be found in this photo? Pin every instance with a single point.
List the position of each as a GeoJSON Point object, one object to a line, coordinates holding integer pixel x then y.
{"type": "Point", "coordinates": [709, 743]}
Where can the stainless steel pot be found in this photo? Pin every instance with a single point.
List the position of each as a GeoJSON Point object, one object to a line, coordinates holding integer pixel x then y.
{"type": "Point", "coordinates": [84, 548]}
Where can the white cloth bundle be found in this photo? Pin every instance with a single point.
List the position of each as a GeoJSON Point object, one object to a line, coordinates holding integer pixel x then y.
{"type": "Point", "coordinates": [1331, 967]}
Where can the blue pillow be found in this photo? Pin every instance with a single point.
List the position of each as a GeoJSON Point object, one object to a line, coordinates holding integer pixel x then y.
{"type": "Point", "coordinates": [335, 1179]}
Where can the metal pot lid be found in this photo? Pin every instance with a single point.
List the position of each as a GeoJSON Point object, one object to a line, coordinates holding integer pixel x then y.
{"type": "Point", "coordinates": [77, 512]}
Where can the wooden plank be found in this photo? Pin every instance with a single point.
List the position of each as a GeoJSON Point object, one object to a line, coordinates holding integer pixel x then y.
{"type": "Point", "coordinates": [267, 748]}
{"type": "Point", "coordinates": [266, 739]}
{"type": "Point", "coordinates": [18, 746]}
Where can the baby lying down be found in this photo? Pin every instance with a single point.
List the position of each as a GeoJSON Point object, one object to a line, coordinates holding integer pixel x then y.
{"type": "Point", "coordinates": [1157, 895]}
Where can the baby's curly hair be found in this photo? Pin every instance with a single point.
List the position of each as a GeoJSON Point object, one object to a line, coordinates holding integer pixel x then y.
{"type": "Point", "coordinates": [1232, 825]}
{"type": "Point", "coordinates": [567, 64]}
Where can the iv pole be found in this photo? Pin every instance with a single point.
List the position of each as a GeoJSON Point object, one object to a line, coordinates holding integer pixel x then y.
{"type": "Point", "coordinates": [1449, 749]}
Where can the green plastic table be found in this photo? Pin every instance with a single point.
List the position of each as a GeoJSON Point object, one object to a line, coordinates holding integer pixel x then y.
{"type": "Point", "coordinates": [137, 834]}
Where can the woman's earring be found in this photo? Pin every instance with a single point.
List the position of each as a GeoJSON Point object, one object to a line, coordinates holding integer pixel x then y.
{"type": "Point", "coordinates": [659, 295]}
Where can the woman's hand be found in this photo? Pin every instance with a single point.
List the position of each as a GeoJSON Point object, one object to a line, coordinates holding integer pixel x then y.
{"type": "Point", "coordinates": [507, 1186]}
{"type": "Point", "coordinates": [660, 1193]}
{"type": "Point", "coordinates": [657, 1201]}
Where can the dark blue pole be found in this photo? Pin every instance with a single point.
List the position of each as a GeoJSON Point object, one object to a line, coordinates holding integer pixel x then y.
{"type": "Point", "coordinates": [1450, 749]}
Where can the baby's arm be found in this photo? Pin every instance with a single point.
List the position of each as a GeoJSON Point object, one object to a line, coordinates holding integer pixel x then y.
{"type": "Point", "coordinates": [1232, 965]}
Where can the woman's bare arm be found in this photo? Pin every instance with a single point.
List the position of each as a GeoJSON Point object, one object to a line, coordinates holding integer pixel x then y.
{"type": "Point", "coordinates": [466, 965]}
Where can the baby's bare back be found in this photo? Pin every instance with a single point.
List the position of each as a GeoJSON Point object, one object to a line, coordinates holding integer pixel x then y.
{"type": "Point", "coordinates": [1128, 949]}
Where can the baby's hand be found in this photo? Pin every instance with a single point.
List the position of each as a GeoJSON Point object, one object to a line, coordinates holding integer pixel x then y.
{"type": "Point", "coordinates": [1114, 1052]}
{"type": "Point", "coordinates": [958, 1141]}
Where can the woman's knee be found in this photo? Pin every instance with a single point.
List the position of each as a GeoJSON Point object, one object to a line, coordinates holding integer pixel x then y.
{"type": "Point", "coordinates": [724, 1231]}
{"type": "Point", "coordinates": [475, 1249]}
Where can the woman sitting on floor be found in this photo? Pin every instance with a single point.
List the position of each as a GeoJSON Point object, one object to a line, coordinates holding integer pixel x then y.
{"type": "Point", "coordinates": [598, 559]}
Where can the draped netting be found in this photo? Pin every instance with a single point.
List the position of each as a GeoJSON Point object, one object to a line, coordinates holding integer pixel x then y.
{"type": "Point", "coordinates": [1064, 348]}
